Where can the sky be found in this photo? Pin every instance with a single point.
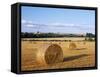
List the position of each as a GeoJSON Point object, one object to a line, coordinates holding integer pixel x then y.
{"type": "Point", "coordinates": [57, 20]}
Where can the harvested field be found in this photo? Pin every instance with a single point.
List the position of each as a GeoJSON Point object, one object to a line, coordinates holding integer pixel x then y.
{"type": "Point", "coordinates": [81, 56]}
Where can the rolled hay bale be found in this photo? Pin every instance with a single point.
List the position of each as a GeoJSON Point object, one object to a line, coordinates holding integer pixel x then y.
{"type": "Point", "coordinates": [49, 54]}
{"type": "Point", "coordinates": [72, 45]}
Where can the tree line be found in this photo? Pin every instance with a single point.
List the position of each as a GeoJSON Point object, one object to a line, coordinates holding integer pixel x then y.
{"type": "Point", "coordinates": [52, 35]}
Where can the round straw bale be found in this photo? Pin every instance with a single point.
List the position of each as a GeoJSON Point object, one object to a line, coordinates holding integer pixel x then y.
{"type": "Point", "coordinates": [84, 43]}
{"type": "Point", "coordinates": [59, 42]}
{"type": "Point", "coordinates": [72, 45]}
{"type": "Point", "coordinates": [49, 54]}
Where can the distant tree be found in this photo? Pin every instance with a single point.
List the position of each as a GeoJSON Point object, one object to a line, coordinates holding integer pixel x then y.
{"type": "Point", "coordinates": [90, 35]}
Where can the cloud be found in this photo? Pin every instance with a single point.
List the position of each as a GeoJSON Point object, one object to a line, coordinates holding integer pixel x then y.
{"type": "Point", "coordinates": [62, 25]}
{"type": "Point", "coordinates": [66, 24]}
{"type": "Point", "coordinates": [29, 25]}
{"type": "Point", "coordinates": [49, 25]}
{"type": "Point", "coordinates": [23, 21]}
{"type": "Point", "coordinates": [56, 25]}
{"type": "Point", "coordinates": [72, 26]}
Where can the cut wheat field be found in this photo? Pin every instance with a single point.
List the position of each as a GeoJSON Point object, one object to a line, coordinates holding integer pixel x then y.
{"type": "Point", "coordinates": [83, 55]}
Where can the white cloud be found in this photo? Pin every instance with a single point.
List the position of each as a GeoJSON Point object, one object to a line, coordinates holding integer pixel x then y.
{"type": "Point", "coordinates": [62, 24]}
{"type": "Point", "coordinates": [56, 25]}
{"type": "Point", "coordinates": [30, 25]}
{"type": "Point", "coordinates": [23, 21]}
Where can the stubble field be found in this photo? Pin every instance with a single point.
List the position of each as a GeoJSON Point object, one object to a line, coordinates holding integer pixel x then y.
{"type": "Point", "coordinates": [82, 56]}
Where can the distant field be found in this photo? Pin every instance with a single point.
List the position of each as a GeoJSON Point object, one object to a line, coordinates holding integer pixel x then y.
{"type": "Point", "coordinates": [82, 56]}
{"type": "Point", "coordinates": [64, 38]}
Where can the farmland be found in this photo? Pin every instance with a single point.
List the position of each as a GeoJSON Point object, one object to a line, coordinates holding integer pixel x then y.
{"type": "Point", "coordinates": [81, 56]}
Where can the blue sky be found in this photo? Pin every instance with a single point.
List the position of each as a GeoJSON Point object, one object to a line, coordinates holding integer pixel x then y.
{"type": "Point", "coordinates": [57, 20]}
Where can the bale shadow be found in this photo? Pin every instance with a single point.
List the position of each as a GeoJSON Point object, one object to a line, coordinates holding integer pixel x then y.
{"type": "Point", "coordinates": [80, 48]}
{"type": "Point", "coordinates": [74, 57]}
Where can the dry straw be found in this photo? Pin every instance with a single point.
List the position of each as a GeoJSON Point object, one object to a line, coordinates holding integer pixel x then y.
{"type": "Point", "coordinates": [72, 45]}
{"type": "Point", "coordinates": [49, 54]}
